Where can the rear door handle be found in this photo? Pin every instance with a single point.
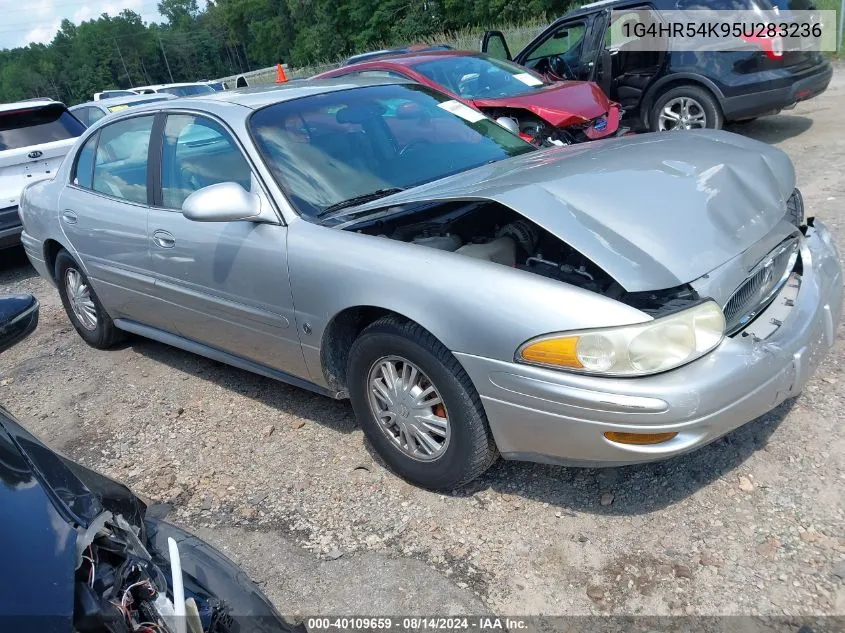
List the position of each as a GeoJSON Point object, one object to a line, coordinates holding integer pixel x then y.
{"type": "Point", "coordinates": [70, 217]}
{"type": "Point", "coordinates": [164, 239]}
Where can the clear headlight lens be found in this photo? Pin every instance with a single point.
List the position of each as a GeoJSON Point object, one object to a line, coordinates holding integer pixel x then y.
{"type": "Point", "coordinates": [632, 350]}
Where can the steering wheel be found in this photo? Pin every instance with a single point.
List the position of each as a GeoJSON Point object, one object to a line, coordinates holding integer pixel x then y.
{"type": "Point", "coordinates": [559, 67]}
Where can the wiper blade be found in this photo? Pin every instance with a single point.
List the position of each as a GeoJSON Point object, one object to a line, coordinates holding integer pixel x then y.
{"type": "Point", "coordinates": [367, 197]}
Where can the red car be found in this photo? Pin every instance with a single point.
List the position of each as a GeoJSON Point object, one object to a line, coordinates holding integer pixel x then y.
{"type": "Point", "coordinates": [540, 111]}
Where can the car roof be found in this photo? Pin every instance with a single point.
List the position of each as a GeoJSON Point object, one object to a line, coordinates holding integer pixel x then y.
{"type": "Point", "coordinates": [158, 86]}
{"type": "Point", "coordinates": [410, 59]}
{"type": "Point", "coordinates": [261, 96]}
{"type": "Point", "coordinates": [121, 100]}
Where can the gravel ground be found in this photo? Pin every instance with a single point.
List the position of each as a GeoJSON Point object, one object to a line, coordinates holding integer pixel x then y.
{"type": "Point", "coordinates": [282, 481]}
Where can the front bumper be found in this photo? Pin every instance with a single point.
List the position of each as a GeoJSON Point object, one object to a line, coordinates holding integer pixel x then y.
{"type": "Point", "coordinates": [551, 416]}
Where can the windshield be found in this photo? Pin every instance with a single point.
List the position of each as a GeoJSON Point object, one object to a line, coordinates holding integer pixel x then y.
{"type": "Point", "coordinates": [329, 148]}
{"type": "Point", "coordinates": [188, 91]}
{"type": "Point", "coordinates": [476, 77]}
{"type": "Point", "coordinates": [34, 126]}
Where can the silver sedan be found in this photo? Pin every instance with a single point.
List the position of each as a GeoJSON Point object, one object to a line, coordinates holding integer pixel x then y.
{"type": "Point", "coordinates": [611, 303]}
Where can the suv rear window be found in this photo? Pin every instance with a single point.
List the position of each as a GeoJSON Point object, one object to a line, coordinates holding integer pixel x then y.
{"type": "Point", "coordinates": [34, 126]}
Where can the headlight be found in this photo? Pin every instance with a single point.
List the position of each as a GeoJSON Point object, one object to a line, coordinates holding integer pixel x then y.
{"type": "Point", "coordinates": [631, 350]}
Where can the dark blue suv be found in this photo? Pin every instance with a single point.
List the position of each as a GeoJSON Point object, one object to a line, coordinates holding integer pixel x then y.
{"type": "Point", "coordinates": [672, 89]}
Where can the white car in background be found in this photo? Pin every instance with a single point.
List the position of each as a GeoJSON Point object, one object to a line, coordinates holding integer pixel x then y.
{"type": "Point", "coordinates": [34, 138]}
{"type": "Point", "coordinates": [92, 111]}
{"type": "Point", "coordinates": [110, 94]}
{"type": "Point", "coordinates": [180, 90]}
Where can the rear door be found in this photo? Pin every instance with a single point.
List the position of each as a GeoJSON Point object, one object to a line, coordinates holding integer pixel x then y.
{"type": "Point", "coordinates": [224, 284]}
{"type": "Point", "coordinates": [103, 213]}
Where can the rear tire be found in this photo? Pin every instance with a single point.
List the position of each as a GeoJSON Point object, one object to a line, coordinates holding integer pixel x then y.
{"type": "Point", "coordinates": [83, 307]}
{"type": "Point", "coordinates": [444, 458]}
{"type": "Point", "coordinates": [695, 108]}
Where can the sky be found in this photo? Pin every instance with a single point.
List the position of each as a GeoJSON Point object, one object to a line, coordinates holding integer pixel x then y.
{"type": "Point", "coordinates": [26, 21]}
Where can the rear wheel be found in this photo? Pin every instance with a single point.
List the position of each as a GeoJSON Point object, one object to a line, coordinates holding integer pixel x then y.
{"type": "Point", "coordinates": [685, 107]}
{"type": "Point", "coordinates": [417, 406]}
{"type": "Point", "coordinates": [83, 308]}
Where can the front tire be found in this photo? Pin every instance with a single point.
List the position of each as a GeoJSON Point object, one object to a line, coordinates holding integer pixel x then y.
{"type": "Point", "coordinates": [83, 307]}
{"type": "Point", "coordinates": [685, 107]}
{"type": "Point", "coordinates": [417, 406]}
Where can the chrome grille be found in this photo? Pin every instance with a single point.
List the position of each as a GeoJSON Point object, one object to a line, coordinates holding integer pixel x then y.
{"type": "Point", "coordinates": [764, 282]}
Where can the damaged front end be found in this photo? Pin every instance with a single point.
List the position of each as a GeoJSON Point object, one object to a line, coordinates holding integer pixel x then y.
{"type": "Point", "coordinates": [490, 231]}
{"type": "Point", "coordinates": [114, 568]}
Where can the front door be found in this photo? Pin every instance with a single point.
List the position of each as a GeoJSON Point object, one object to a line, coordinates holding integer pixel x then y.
{"type": "Point", "coordinates": [104, 215]}
{"type": "Point", "coordinates": [226, 283]}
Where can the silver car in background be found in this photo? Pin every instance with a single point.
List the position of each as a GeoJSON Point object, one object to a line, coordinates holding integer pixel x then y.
{"type": "Point", "coordinates": [618, 302]}
{"type": "Point", "coordinates": [92, 111]}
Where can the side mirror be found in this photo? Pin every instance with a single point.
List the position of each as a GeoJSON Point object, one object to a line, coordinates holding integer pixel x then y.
{"type": "Point", "coordinates": [223, 202]}
{"type": "Point", "coordinates": [18, 318]}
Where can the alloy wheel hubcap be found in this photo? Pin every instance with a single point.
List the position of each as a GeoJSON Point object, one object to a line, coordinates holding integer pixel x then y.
{"type": "Point", "coordinates": [682, 113]}
{"type": "Point", "coordinates": [79, 296]}
{"type": "Point", "coordinates": [408, 408]}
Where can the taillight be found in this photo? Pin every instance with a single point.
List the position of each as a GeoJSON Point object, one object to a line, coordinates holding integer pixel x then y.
{"type": "Point", "coordinates": [772, 46]}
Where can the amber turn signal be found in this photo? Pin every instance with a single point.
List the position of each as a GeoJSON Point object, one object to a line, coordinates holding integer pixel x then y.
{"type": "Point", "coordinates": [639, 438]}
{"type": "Point", "coordinates": [553, 351]}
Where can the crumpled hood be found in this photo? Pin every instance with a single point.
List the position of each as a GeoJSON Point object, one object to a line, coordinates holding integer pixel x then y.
{"type": "Point", "coordinates": [654, 210]}
{"type": "Point", "coordinates": [561, 104]}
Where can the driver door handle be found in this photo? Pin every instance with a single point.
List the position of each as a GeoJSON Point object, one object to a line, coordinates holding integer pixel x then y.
{"type": "Point", "coordinates": [164, 239]}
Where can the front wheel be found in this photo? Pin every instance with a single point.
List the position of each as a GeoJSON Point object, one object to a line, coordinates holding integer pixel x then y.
{"type": "Point", "coordinates": [417, 406]}
{"type": "Point", "coordinates": [685, 108]}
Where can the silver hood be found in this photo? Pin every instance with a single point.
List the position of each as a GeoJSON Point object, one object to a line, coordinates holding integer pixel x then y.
{"type": "Point", "coordinates": [653, 210]}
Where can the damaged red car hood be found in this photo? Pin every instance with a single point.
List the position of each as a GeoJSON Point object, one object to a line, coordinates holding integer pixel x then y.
{"type": "Point", "coordinates": [562, 104]}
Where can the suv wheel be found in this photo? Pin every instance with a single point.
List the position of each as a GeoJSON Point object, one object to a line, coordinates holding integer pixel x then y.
{"type": "Point", "coordinates": [685, 108]}
{"type": "Point", "coordinates": [83, 308]}
{"type": "Point", "coordinates": [417, 406]}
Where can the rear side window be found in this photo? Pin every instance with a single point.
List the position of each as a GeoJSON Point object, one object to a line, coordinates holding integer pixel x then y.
{"type": "Point", "coordinates": [94, 115]}
{"type": "Point", "coordinates": [83, 173]}
{"type": "Point", "coordinates": [81, 114]}
{"type": "Point", "coordinates": [34, 126]}
{"type": "Point", "coordinates": [120, 166]}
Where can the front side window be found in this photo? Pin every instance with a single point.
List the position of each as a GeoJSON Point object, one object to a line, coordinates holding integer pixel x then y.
{"type": "Point", "coordinates": [198, 152]}
{"type": "Point", "coordinates": [331, 148]}
{"type": "Point", "coordinates": [568, 40]}
{"type": "Point", "coordinates": [120, 166]}
{"type": "Point", "coordinates": [476, 77]}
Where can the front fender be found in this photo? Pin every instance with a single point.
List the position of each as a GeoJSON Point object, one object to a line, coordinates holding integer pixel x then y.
{"type": "Point", "coordinates": [471, 306]}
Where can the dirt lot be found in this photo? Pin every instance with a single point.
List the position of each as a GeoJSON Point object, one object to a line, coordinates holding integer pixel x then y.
{"type": "Point", "coordinates": [282, 481]}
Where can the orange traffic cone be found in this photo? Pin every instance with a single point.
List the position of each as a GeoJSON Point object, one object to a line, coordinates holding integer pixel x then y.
{"type": "Point", "coordinates": [281, 77]}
